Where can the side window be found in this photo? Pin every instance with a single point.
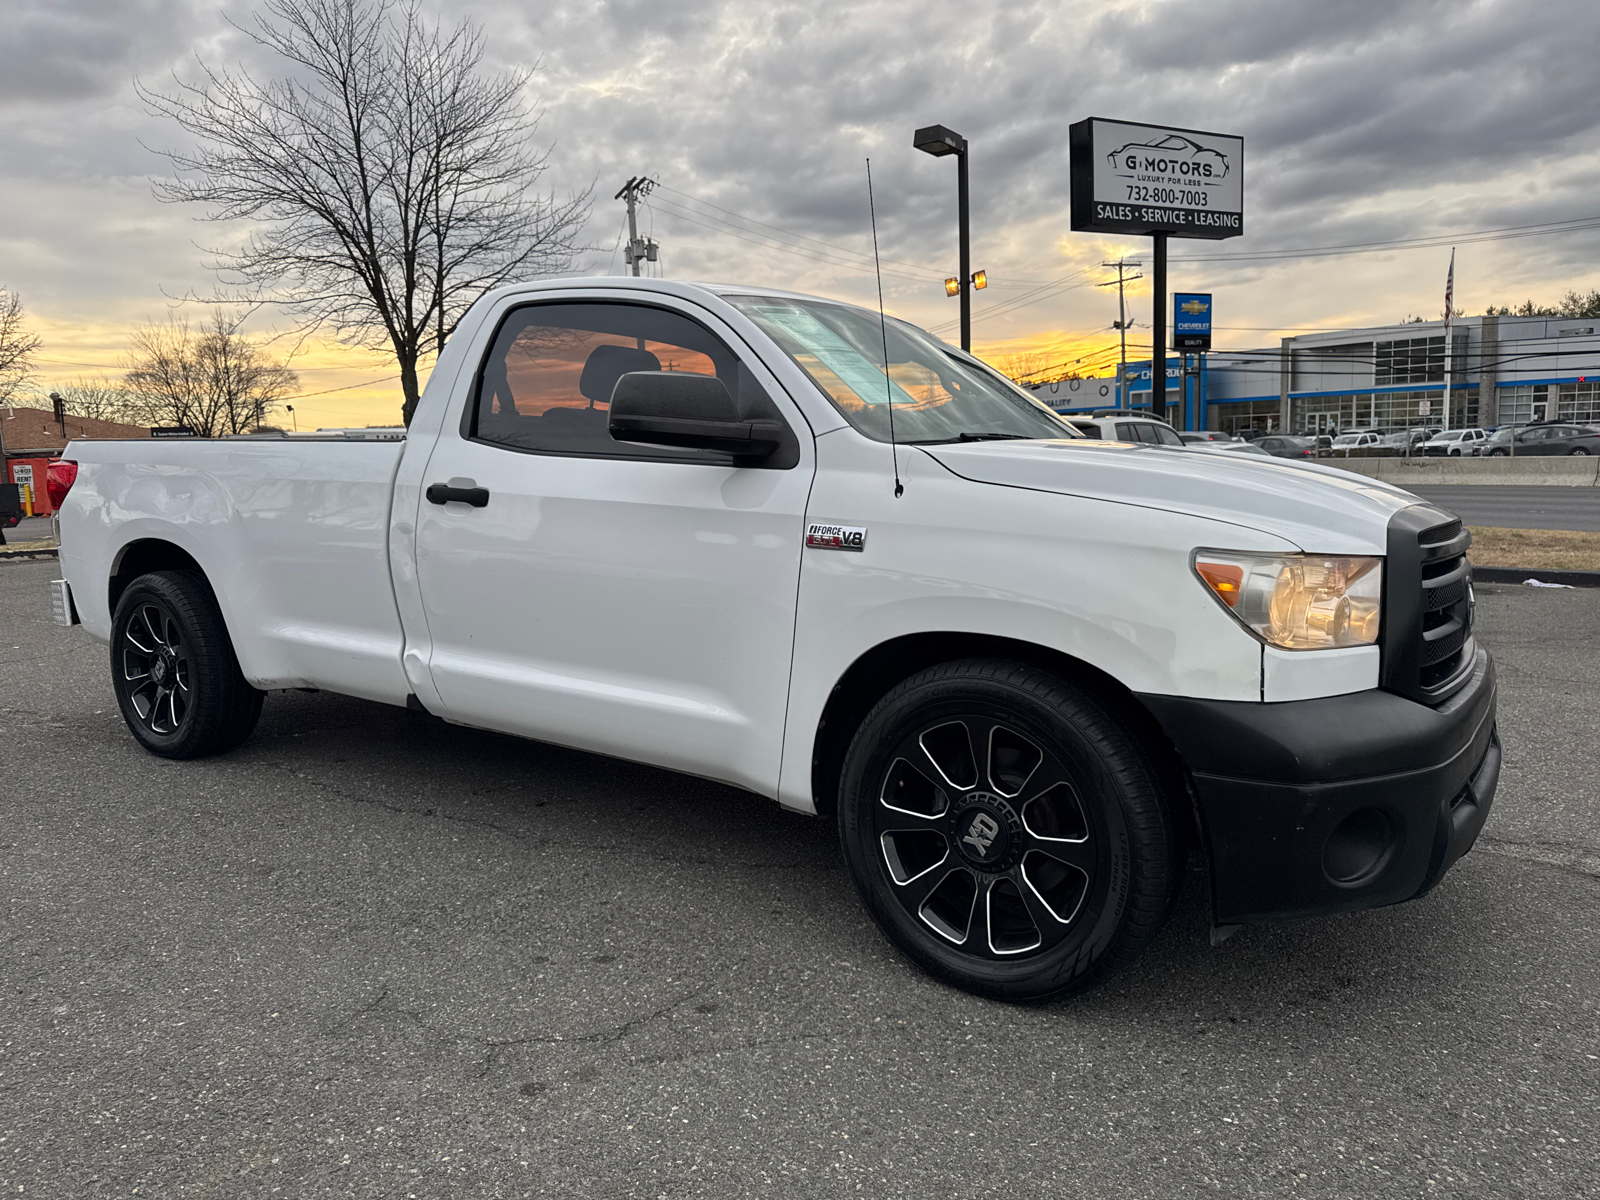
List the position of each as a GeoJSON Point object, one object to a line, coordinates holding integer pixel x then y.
{"type": "Point", "coordinates": [546, 383]}
{"type": "Point", "coordinates": [1126, 432]}
{"type": "Point", "coordinates": [1167, 437]}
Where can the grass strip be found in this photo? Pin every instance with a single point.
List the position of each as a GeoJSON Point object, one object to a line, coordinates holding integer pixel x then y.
{"type": "Point", "coordinates": [1545, 549]}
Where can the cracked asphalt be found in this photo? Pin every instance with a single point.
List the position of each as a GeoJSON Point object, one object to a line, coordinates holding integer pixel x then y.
{"type": "Point", "coordinates": [370, 955]}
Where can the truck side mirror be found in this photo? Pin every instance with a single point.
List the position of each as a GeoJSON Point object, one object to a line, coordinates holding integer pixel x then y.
{"type": "Point", "coordinates": [675, 408]}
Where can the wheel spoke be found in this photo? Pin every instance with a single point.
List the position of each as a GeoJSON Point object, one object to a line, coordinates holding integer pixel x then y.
{"type": "Point", "coordinates": [1009, 923]}
{"type": "Point", "coordinates": [907, 791]}
{"type": "Point", "coordinates": [1012, 760]}
{"type": "Point", "coordinates": [1047, 922]}
{"type": "Point", "coordinates": [948, 749]}
{"type": "Point", "coordinates": [1079, 855]}
{"type": "Point", "coordinates": [912, 855]}
{"type": "Point", "coordinates": [152, 627]}
{"type": "Point", "coordinates": [1053, 890]}
{"type": "Point", "coordinates": [950, 904]}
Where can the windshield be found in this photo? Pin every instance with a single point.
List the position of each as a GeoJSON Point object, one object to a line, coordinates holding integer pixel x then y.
{"type": "Point", "coordinates": [937, 396]}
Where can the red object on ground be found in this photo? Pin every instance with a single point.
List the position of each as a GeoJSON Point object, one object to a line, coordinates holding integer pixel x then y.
{"type": "Point", "coordinates": [33, 473]}
{"type": "Point", "coordinates": [61, 475]}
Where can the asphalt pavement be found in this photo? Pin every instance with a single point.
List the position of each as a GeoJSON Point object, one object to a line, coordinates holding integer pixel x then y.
{"type": "Point", "coordinates": [371, 955]}
{"type": "Point", "coordinates": [30, 529]}
{"type": "Point", "coordinates": [1513, 507]}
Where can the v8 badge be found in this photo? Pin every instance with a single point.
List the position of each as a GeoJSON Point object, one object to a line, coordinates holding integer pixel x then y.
{"type": "Point", "coordinates": [836, 537]}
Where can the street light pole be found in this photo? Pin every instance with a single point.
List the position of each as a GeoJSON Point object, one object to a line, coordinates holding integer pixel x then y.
{"type": "Point", "coordinates": [939, 141]}
{"type": "Point", "coordinates": [966, 252]}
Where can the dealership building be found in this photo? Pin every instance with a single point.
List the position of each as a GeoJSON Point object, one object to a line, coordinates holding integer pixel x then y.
{"type": "Point", "coordinates": [1504, 370]}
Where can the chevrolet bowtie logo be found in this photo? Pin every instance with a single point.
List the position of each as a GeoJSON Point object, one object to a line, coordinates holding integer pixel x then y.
{"type": "Point", "coordinates": [1194, 307]}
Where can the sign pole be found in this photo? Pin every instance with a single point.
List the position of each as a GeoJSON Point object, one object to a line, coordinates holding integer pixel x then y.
{"type": "Point", "coordinates": [1158, 332]}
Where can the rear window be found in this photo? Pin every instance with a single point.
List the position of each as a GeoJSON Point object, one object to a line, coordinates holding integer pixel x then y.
{"type": "Point", "coordinates": [1087, 428]}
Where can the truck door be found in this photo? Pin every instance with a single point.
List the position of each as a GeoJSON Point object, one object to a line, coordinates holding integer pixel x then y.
{"type": "Point", "coordinates": [628, 599]}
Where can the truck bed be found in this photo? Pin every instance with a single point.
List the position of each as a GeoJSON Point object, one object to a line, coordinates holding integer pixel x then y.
{"type": "Point", "coordinates": [292, 533]}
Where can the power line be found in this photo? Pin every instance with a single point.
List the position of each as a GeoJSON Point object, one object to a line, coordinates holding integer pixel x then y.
{"type": "Point", "coordinates": [347, 388]}
{"type": "Point", "coordinates": [1432, 242]}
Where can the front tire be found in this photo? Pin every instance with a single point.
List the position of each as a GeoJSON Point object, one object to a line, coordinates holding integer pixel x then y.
{"type": "Point", "coordinates": [1579, 450]}
{"type": "Point", "coordinates": [1007, 832]}
{"type": "Point", "coordinates": [173, 668]}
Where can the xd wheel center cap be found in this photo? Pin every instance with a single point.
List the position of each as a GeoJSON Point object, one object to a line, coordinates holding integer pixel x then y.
{"type": "Point", "coordinates": [983, 831]}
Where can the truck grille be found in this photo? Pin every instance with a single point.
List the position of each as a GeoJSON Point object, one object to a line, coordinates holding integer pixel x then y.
{"type": "Point", "coordinates": [1427, 620]}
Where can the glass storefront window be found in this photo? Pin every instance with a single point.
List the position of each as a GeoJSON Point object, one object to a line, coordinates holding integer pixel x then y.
{"type": "Point", "coordinates": [1578, 402]}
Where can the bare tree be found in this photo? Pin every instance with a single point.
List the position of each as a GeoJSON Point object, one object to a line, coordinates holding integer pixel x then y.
{"type": "Point", "coordinates": [101, 398]}
{"type": "Point", "coordinates": [16, 345]}
{"type": "Point", "coordinates": [1033, 366]}
{"type": "Point", "coordinates": [391, 177]}
{"type": "Point", "coordinates": [214, 382]}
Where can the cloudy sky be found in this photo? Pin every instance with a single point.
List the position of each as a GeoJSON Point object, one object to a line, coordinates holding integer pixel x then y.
{"type": "Point", "coordinates": [1365, 121]}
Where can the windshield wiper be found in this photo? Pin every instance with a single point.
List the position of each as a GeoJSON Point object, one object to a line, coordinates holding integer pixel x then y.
{"type": "Point", "coordinates": [971, 437]}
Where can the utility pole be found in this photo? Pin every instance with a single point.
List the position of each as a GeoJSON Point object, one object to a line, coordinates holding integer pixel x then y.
{"type": "Point", "coordinates": [639, 249]}
{"type": "Point", "coordinates": [1122, 266]}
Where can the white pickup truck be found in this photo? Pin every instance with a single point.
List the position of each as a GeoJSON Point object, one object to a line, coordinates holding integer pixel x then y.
{"type": "Point", "coordinates": [768, 540]}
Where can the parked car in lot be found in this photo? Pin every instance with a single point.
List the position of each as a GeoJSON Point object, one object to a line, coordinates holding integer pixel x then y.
{"type": "Point", "coordinates": [1206, 435]}
{"type": "Point", "coordinates": [1346, 442]}
{"type": "Point", "coordinates": [1022, 669]}
{"type": "Point", "coordinates": [1126, 427]}
{"type": "Point", "coordinates": [1281, 445]}
{"type": "Point", "coordinates": [1252, 449]}
{"type": "Point", "coordinates": [1407, 441]}
{"type": "Point", "coordinates": [1455, 443]}
{"type": "Point", "coordinates": [1543, 439]}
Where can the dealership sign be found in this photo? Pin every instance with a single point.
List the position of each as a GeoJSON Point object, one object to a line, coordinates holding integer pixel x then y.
{"type": "Point", "coordinates": [1191, 320]}
{"type": "Point", "coordinates": [1128, 177]}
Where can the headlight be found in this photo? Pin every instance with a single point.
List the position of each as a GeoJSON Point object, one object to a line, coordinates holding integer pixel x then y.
{"type": "Point", "coordinates": [1297, 601]}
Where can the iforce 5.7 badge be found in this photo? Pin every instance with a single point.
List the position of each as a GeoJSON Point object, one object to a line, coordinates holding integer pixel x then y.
{"type": "Point", "coordinates": [835, 537]}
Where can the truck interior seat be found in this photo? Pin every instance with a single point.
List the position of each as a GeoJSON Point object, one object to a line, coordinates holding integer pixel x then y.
{"type": "Point", "coordinates": [607, 364]}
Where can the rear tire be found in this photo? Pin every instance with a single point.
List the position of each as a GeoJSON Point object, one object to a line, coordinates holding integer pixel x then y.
{"type": "Point", "coordinates": [1579, 450]}
{"type": "Point", "coordinates": [1031, 850]}
{"type": "Point", "coordinates": [174, 671]}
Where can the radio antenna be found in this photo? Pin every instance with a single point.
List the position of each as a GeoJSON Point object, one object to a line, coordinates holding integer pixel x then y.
{"type": "Point", "coordinates": [883, 328]}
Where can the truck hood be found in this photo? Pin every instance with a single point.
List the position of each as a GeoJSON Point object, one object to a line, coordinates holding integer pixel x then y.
{"type": "Point", "coordinates": [1322, 510]}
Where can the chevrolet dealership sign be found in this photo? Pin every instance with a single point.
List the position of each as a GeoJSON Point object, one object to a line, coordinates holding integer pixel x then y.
{"type": "Point", "coordinates": [1191, 321]}
{"type": "Point", "coordinates": [1133, 178]}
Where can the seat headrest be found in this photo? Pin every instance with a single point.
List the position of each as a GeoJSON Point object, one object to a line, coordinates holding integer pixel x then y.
{"type": "Point", "coordinates": [607, 364]}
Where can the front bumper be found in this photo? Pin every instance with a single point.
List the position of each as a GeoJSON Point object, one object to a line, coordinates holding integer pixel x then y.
{"type": "Point", "coordinates": [1338, 803]}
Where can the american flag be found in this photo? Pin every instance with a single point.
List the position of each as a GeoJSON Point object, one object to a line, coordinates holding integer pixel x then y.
{"type": "Point", "coordinates": [1450, 288]}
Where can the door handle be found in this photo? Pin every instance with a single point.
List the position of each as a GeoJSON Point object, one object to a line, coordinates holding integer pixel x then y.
{"type": "Point", "coordinates": [444, 493]}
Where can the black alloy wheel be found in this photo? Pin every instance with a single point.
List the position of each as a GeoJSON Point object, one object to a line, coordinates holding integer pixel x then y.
{"type": "Point", "coordinates": [156, 669]}
{"type": "Point", "coordinates": [1006, 831]}
{"type": "Point", "coordinates": [173, 668]}
{"type": "Point", "coordinates": [1579, 450]}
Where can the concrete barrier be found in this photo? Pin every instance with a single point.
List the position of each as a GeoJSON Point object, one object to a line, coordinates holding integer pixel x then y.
{"type": "Point", "coordinates": [1572, 471]}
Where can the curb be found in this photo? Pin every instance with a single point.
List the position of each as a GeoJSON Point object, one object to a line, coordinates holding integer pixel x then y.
{"type": "Point", "coordinates": [1582, 579]}
{"type": "Point", "coordinates": [20, 555]}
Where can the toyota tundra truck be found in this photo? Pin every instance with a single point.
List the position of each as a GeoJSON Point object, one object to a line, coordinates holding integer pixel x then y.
{"type": "Point", "coordinates": [790, 545]}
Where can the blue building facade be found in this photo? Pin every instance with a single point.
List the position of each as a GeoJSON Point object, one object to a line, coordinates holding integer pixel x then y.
{"type": "Point", "coordinates": [1504, 370]}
